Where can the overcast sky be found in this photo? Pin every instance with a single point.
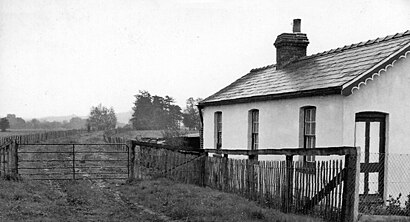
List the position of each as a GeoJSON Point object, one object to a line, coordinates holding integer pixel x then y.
{"type": "Point", "coordinates": [62, 57]}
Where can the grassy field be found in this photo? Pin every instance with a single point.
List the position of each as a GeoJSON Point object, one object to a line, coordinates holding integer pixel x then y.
{"type": "Point", "coordinates": [14, 132]}
{"type": "Point", "coordinates": [115, 200]}
{"type": "Point", "coordinates": [148, 133]}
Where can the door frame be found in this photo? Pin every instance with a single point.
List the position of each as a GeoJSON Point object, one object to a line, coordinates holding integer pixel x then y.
{"type": "Point", "coordinates": [379, 167]}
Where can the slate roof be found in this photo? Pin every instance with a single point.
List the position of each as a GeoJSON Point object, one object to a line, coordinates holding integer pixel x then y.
{"type": "Point", "coordinates": [329, 70]}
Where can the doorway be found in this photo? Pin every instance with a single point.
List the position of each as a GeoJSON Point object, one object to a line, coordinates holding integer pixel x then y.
{"type": "Point", "coordinates": [370, 135]}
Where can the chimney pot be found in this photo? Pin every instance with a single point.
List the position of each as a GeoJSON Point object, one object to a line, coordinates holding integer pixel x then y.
{"type": "Point", "coordinates": [296, 25]}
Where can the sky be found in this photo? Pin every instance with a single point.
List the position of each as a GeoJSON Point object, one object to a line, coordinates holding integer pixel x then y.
{"type": "Point", "coordinates": [61, 57]}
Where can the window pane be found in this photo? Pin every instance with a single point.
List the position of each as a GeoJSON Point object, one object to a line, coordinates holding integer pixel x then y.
{"type": "Point", "coordinates": [313, 115]}
{"type": "Point", "coordinates": [307, 129]}
{"type": "Point", "coordinates": [374, 143]}
{"type": "Point", "coordinates": [360, 138]}
{"type": "Point", "coordinates": [307, 115]}
{"type": "Point", "coordinates": [307, 142]}
{"type": "Point", "coordinates": [313, 128]}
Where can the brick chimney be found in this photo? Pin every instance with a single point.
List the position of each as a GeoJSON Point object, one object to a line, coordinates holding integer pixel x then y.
{"type": "Point", "coordinates": [290, 46]}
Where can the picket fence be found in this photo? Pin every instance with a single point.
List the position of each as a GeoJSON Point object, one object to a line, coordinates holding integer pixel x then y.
{"type": "Point", "coordinates": [325, 189]}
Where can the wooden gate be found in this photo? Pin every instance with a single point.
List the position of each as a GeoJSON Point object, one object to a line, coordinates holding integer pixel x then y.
{"type": "Point", "coordinates": [72, 161]}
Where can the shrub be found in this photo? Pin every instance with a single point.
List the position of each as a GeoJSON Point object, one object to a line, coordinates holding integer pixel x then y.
{"type": "Point", "coordinates": [393, 205]}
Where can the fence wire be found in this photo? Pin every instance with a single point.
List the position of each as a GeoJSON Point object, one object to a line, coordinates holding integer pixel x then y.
{"type": "Point", "coordinates": [385, 188]}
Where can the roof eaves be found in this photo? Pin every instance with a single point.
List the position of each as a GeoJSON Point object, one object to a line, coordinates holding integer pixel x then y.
{"type": "Point", "coordinates": [296, 94]}
{"type": "Point", "coordinates": [347, 88]}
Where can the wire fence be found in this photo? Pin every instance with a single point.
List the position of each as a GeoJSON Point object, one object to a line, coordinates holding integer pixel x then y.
{"type": "Point", "coordinates": [384, 184]}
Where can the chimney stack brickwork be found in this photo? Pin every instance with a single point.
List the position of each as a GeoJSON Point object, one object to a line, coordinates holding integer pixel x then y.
{"type": "Point", "coordinates": [290, 46]}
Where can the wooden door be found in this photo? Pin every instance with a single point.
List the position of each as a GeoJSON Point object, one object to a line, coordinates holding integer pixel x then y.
{"type": "Point", "coordinates": [371, 137]}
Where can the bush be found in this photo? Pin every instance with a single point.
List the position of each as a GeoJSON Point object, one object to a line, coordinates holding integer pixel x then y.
{"type": "Point", "coordinates": [173, 138]}
{"type": "Point", "coordinates": [394, 205]}
{"type": "Point", "coordinates": [407, 206]}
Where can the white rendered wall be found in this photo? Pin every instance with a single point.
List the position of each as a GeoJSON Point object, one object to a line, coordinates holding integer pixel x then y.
{"type": "Point", "coordinates": [278, 123]}
{"type": "Point", "coordinates": [388, 93]}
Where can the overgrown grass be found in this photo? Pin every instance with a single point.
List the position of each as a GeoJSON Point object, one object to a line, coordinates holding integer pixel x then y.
{"type": "Point", "coordinates": [71, 201]}
{"type": "Point", "coordinates": [191, 203]}
{"type": "Point", "coordinates": [34, 201]}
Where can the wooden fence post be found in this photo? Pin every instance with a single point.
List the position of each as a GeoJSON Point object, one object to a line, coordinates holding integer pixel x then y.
{"type": "Point", "coordinates": [15, 170]}
{"type": "Point", "coordinates": [225, 172]}
{"type": "Point", "coordinates": [133, 163]}
{"type": "Point", "coordinates": [2, 161]}
{"type": "Point", "coordinates": [8, 158]}
{"type": "Point", "coordinates": [253, 159]}
{"type": "Point", "coordinates": [204, 176]}
{"type": "Point", "coordinates": [350, 202]}
{"type": "Point", "coordinates": [288, 185]}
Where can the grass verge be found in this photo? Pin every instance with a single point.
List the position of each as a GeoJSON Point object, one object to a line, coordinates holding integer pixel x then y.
{"type": "Point", "coordinates": [186, 202]}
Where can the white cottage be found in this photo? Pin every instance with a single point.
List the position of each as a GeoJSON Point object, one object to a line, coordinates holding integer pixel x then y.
{"type": "Point", "coordinates": [356, 95]}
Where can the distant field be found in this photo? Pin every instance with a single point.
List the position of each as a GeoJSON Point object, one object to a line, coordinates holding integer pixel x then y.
{"type": "Point", "coordinates": [148, 133]}
{"type": "Point", "coordinates": [13, 132]}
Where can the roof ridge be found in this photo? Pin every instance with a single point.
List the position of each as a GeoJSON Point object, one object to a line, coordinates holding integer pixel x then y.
{"type": "Point", "coordinates": [262, 68]}
{"type": "Point", "coordinates": [360, 44]}
{"type": "Point", "coordinates": [346, 47]}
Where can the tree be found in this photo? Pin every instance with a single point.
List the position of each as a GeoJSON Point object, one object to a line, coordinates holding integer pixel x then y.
{"type": "Point", "coordinates": [77, 123]}
{"type": "Point", "coordinates": [155, 112]}
{"type": "Point", "coordinates": [35, 123]}
{"type": "Point", "coordinates": [191, 114]}
{"type": "Point", "coordinates": [16, 122]}
{"type": "Point", "coordinates": [142, 116]}
{"type": "Point", "coordinates": [4, 124]}
{"type": "Point", "coordinates": [102, 118]}
{"type": "Point", "coordinates": [20, 123]}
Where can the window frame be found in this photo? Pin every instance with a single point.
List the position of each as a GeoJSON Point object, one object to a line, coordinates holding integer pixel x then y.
{"type": "Point", "coordinates": [218, 129]}
{"type": "Point", "coordinates": [308, 131]}
{"type": "Point", "coordinates": [253, 128]}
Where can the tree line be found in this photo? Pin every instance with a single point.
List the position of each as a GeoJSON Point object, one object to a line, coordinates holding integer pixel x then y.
{"type": "Point", "coordinates": [161, 113]}
{"type": "Point", "coordinates": [150, 112]}
{"type": "Point", "coordinates": [13, 122]}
